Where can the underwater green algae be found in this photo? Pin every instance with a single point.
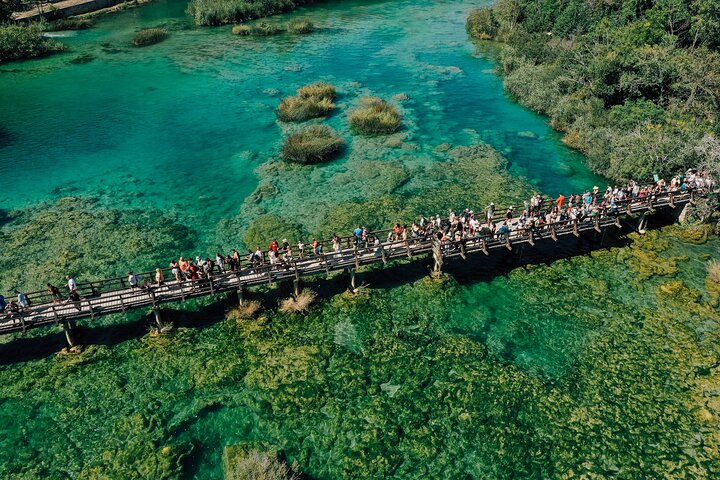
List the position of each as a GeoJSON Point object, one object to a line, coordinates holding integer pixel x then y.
{"type": "Point", "coordinates": [556, 371]}
{"type": "Point", "coordinates": [77, 236]}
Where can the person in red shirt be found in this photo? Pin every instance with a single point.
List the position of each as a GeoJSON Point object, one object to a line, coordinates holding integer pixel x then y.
{"type": "Point", "coordinates": [560, 201]}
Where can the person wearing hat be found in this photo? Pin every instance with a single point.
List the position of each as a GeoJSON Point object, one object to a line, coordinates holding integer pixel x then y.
{"type": "Point", "coordinates": [490, 211]}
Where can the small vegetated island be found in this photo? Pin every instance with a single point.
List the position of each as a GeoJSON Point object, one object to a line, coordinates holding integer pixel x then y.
{"type": "Point", "coordinates": [634, 85]}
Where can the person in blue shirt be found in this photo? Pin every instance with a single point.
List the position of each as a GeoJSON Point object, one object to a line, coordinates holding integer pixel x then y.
{"type": "Point", "coordinates": [22, 299]}
{"type": "Point", "coordinates": [3, 304]}
{"type": "Point", "coordinates": [358, 235]}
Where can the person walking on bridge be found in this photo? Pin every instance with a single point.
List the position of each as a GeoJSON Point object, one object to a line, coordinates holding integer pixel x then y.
{"type": "Point", "coordinates": [22, 300]}
{"type": "Point", "coordinates": [71, 284]}
{"type": "Point", "coordinates": [54, 292]}
{"type": "Point", "coordinates": [159, 277]}
{"type": "Point", "coordinates": [3, 304]}
{"type": "Point", "coordinates": [132, 280]}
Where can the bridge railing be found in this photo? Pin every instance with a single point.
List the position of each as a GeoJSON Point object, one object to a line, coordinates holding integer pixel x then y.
{"type": "Point", "coordinates": [96, 288]}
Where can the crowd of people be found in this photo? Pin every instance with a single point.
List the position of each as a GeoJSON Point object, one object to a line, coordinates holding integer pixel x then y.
{"type": "Point", "coordinates": [451, 232]}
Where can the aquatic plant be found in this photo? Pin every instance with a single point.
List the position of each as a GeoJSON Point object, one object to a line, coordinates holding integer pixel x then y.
{"type": "Point", "coordinates": [219, 12]}
{"type": "Point", "coordinates": [299, 303]}
{"type": "Point", "coordinates": [481, 23]}
{"type": "Point", "coordinates": [71, 23]}
{"type": "Point", "coordinates": [265, 29]}
{"type": "Point", "coordinates": [312, 101]}
{"type": "Point", "coordinates": [241, 30]}
{"type": "Point", "coordinates": [314, 144]}
{"type": "Point", "coordinates": [300, 26]}
{"type": "Point", "coordinates": [80, 237]}
{"type": "Point", "coordinates": [375, 117]}
{"type": "Point", "coordinates": [714, 271]}
{"type": "Point", "coordinates": [267, 228]}
{"type": "Point", "coordinates": [257, 465]}
{"type": "Point", "coordinates": [245, 311]}
{"type": "Point", "coordinates": [149, 36]}
{"type": "Point", "coordinates": [319, 90]}
{"type": "Point", "coordinates": [25, 41]}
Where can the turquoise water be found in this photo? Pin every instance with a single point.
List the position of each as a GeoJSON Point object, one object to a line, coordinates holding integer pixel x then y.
{"type": "Point", "coordinates": [583, 367]}
{"type": "Point", "coordinates": [182, 125]}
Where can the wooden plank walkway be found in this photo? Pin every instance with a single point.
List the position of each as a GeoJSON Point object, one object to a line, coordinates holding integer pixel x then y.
{"type": "Point", "coordinates": [114, 295]}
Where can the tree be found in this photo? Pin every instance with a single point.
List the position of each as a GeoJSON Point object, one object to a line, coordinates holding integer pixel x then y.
{"type": "Point", "coordinates": [7, 7]}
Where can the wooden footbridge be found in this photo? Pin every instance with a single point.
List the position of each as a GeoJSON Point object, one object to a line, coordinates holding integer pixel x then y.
{"type": "Point", "coordinates": [115, 295]}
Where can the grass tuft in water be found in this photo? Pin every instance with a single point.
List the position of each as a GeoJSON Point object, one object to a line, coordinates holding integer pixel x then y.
{"type": "Point", "coordinates": [312, 101]}
{"type": "Point", "coordinates": [243, 312]}
{"type": "Point", "coordinates": [314, 144]}
{"type": "Point", "coordinates": [298, 304]}
{"type": "Point", "coordinates": [149, 36]}
{"type": "Point", "coordinates": [300, 26]}
{"type": "Point", "coordinates": [375, 116]}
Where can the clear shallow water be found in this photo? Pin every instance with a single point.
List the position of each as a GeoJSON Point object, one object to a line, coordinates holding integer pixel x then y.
{"type": "Point", "coordinates": [492, 379]}
{"type": "Point", "coordinates": [182, 125]}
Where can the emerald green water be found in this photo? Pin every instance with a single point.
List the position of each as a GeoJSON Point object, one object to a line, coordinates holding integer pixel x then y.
{"type": "Point", "coordinates": [587, 366]}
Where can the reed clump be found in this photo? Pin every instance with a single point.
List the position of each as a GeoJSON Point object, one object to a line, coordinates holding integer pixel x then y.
{"type": "Point", "coordinates": [149, 36]}
{"type": "Point", "coordinates": [300, 26]}
{"type": "Point", "coordinates": [257, 465]}
{"type": "Point", "coordinates": [265, 29]}
{"type": "Point", "coordinates": [242, 30]}
{"type": "Point", "coordinates": [314, 144]}
{"type": "Point", "coordinates": [246, 311]}
{"type": "Point", "coordinates": [71, 23]}
{"type": "Point", "coordinates": [714, 271]}
{"type": "Point", "coordinates": [312, 101]}
{"type": "Point", "coordinates": [300, 303]}
{"type": "Point", "coordinates": [375, 116]}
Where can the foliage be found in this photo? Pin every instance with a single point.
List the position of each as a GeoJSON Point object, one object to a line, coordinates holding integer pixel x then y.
{"type": "Point", "coordinates": [375, 117]}
{"type": "Point", "coordinates": [76, 236]}
{"type": "Point", "coordinates": [267, 228]}
{"type": "Point", "coordinates": [219, 12]}
{"type": "Point", "coordinates": [242, 30]}
{"type": "Point", "coordinates": [300, 26]}
{"type": "Point", "coordinates": [266, 29]}
{"type": "Point", "coordinates": [298, 304]}
{"type": "Point", "coordinates": [714, 271]}
{"type": "Point", "coordinates": [243, 312]}
{"type": "Point", "coordinates": [482, 24]}
{"type": "Point", "coordinates": [314, 144]}
{"type": "Point", "coordinates": [635, 85]}
{"type": "Point", "coordinates": [18, 42]}
{"type": "Point", "coordinates": [149, 36]}
{"type": "Point", "coordinates": [257, 465]}
{"type": "Point", "coordinates": [71, 23]}
{"type": "Point", "coordinates": [8, 7]}
{"type": "Point", "coordinates": [312, 101]}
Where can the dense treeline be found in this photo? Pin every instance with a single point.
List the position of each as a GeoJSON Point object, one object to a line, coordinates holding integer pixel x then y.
{"type": "Point", "coordinates": [635, 84]}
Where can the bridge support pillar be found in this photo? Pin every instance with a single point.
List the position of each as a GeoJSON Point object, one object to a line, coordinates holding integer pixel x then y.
{"type": "Point", "coordinates": [642, 223]}
{"type": "Point", "coordinates": [69, 335]}
{"type": "Point", "coordinates": [158, 318]}
{"type": "Point", "coordinates": [296, 287]}
{"type": "Point", "coordinates": [438, 258]}
{"type": "Point", "coordinates": [352, 279]}
{"type": "Point", "coordinates": [241, 299]}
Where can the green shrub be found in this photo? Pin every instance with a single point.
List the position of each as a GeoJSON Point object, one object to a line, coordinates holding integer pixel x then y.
{"type": "Point", "coordinates": [149, 36]}
{"type": "Point", "coordinates": [71, 23]}
{"type": "Point", "coordinates": [25, 41]}
{"type": "Point", "coordinates": [375, 117]}
{"type": "Point", "coordinates": [317, 143]}
{"type": "Point", "coordinates": [241, 30]}
{"type": "Point", "coordinates": [312, 101]}
{"type": "Point", "coordinates": [265, 29]}
{"type": "Point", "coordinates": [300, 26]}
{"type": "Point", "coordinates": [220, 12]}
{"type": "Point", "coordinates": [481, 23]}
